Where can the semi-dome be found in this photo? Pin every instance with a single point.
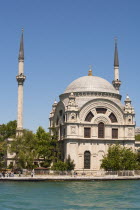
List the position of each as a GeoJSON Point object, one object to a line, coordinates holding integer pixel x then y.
{"type": "Point", "coordinates": [90, 84]}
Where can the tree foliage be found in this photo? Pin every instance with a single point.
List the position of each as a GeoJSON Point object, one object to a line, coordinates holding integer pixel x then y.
{"type": "Point", "coordinates": [59, 166]}
{"type": "Point", "coordinates": [120, 158]}
{"type": "Point", "coordinates": [8, 130]}
{"type": "Point", "coordinates": [24, 148]}
{"type": "Point", "coordinates": [68, 165]}
{"type": "Point", "coordinates": [137, 137]}
{"type": "Point", "coordinates": [47, 147]}
{"type": "Point", "coordinates": [30, 148]}
{"type": "Point", "coordinates": [3, 150]}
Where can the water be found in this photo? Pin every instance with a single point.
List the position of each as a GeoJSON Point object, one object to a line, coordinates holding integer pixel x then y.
{"type": "Point", "coordinates": [70, 195]}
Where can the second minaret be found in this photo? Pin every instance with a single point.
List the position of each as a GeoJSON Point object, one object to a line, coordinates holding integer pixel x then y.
{"type": "Point", "coordinates": [20, 79]}
{"type": "Point", "coordinates": [116, 82]}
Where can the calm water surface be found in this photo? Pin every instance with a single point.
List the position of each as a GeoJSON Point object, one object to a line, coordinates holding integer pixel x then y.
{"type": "Point", "coordinates": [70, 195]}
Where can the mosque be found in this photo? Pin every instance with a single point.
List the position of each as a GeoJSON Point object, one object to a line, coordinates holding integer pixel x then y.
{"type": "Point", "coordinates": [88, 118]}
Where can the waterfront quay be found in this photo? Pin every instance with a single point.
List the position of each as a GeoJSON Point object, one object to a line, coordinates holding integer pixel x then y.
{"type": "Point", "coordinates": [69, 178]}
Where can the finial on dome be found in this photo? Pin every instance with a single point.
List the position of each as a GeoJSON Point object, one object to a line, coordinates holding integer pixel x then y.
{"type": "Point", "coordinates": [71, 95]}
{"type": "Point", "coordinates": [90, 71]}
{"type": "Point", "coordinates": [127, 100]}
{"type": "Point", "coordinates": [127, 97]}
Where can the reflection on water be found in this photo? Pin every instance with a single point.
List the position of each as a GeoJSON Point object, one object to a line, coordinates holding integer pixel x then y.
{"type": "Point", "coordinates": [70, 195]}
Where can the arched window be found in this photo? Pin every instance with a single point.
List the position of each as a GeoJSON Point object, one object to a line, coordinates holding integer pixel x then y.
{"type": "Point", "coordinates": [101, 130]}
{"type": "Point", "coordinates": [89, 117]}
{"type": "Point", "coordinates": [86, 160]}
{"type": "Point", "coordinates": [112, 118]}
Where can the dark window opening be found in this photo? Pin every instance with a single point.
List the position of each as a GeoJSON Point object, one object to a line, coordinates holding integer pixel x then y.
{"type": "Point", "coordinates": [87, 132]}
{"type": "Point", "coordinates": [112, 118]}
{"type": "Point", "coordinates": [64, 132]}
{"type": "Point", "coordinates": [114, 133]}
{"type": "Point", "coordinates": [57, 120]}
{"type": "Point", "coordinates": [101, 130]}
{"type": "Point", "coordinates": [60, 112]}
{"type": "Point", "coordinates": [61, 131]}
{"type": "Point", "coordinates": [87, 160]}
{"type": "Point", "coordinates": [89, 117]}
{"type": "Point", "coordinates": [101, 110]}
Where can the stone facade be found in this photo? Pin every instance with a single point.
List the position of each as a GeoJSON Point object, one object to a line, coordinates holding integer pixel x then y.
{"type": "Point", "coordinates": [88, 122]}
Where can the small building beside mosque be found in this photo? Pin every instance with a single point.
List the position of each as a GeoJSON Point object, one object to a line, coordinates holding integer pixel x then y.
{"type": "Point", "coordinates": [90, 117]}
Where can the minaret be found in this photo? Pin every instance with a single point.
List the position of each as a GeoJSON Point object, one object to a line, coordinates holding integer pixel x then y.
{"type": "Point", "coordinates": [20, 79]}
{"type": "Point", "coordinates": [116, 82]}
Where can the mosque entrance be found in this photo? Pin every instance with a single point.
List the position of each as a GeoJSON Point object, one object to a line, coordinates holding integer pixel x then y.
{"type": "Point", "coordinates": [86, 160]}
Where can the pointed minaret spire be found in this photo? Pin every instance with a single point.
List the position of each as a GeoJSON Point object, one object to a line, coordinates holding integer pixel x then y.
{"type": "Point", "coordinates": [116, 82]}
{"type": "Point", "coordinates": [21, 49]}
{"type": "Point", "coordinates": [116, 59]}
{"type": "Point", "coordinates": [20, 79]}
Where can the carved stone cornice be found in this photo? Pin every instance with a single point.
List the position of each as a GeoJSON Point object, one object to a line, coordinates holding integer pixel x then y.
{"type": "Point", "coordinates": [91, 94]}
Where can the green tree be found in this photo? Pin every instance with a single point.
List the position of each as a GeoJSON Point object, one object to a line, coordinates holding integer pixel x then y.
{"type": "Point", "coordinates": [8, 130]}
{"type": "Point", "coordinates": [47, 147]}
{"type": "Point", "coordinates": [137, 137]}
{"type": "Point", "coordinates": [59, 166]}
{"type": "Point", "coordinates": [24, 148]}
{"type": "Point", "coordinates": [3, 149]}
{"type": "Point", "coordinates": [120, 158]}
{"type": "Point", "coordinates": [68, 165]}
{"type": "Point", "coordinates": [30, 147]}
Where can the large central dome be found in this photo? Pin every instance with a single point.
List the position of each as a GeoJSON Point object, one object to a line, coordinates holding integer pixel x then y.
{"type": "Point", "coordinates": [90, 84]}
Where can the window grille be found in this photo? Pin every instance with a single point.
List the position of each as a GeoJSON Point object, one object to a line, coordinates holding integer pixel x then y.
{"type": "Point", "coordinates": [86, 160]}
{"type": "Point", "coordinates": [87, 132]}
{"type": "Point", "coordinates": [101, 130]}
{"type": "Point", "coordinates": [114, 133]}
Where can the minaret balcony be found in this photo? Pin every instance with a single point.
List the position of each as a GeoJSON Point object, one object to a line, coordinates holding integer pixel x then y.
{"type": "Point", "coordinates": [116, 84]}
{"type": "Point", "coordinates": [20, 79]}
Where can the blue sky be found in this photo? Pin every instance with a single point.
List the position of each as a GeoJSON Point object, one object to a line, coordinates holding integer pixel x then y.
{"type": "Point", "coordinates": [62, 38]}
